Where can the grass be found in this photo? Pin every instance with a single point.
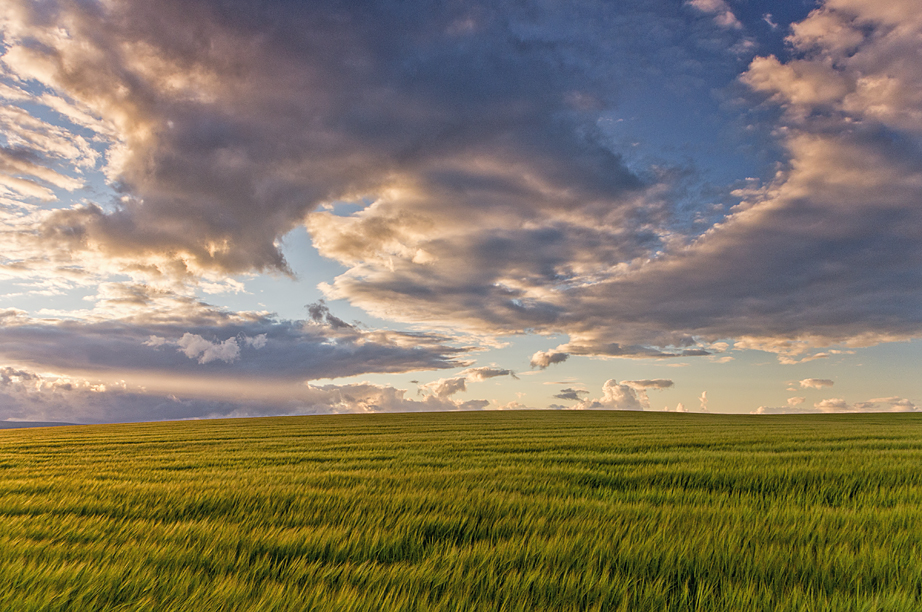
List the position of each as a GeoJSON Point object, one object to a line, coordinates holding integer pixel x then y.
{"type": "Point", "coordinates": [466, 511]}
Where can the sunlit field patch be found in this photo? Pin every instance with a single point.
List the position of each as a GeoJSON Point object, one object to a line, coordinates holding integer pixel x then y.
{"type": "Point", "coordinates": [466, 511]}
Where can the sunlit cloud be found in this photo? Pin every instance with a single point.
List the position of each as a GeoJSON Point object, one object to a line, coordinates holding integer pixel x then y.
{"type": "Point", "coordinates": [816, 383]}
{"type": "Point", "coordinates": [472, 170]}
{"type": "Point", "coordinates": [839, 405]}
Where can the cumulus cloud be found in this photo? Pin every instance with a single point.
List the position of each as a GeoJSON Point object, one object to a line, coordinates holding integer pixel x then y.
{"type": "Point", "coordinates": [723, 15]}
{"type": "Point", "coordinates": [542, 359]}
{"type": "Point", "coordinates": [816, 383]}
{"type": "Point", "coordinates": [194, 346]}
{"type": "Point", "coordinates": [806, 261]}
{"type": "Point", "coordinates": [258, 341]}
{"type": "Point", "coordinates": [445, 387]}
{"type": "Point", "coordinates": [490, 198]}
{"type": "Point", "coordinates": [367, 397]}
{"type": "Point", "coordinates": [627, 395]}
{"type": "Point", "coordinates": [219, 149]}
{"type": "Point", "coordinates": [614, 397]}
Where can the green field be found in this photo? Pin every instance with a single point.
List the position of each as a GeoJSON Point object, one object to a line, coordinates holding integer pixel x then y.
{"type": "Point", "coordinates": [466, 511]}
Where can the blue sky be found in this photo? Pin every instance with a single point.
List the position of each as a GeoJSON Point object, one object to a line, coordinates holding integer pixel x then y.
{"type": "Point", "coordinates": [237, 209]}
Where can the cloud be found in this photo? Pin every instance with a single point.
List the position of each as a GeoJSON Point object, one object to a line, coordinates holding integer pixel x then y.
{"type": "Point", "coordinates": [483, 373]}
{"type": "Point", "coordinates": [321, 315]}
{"type": "Point", "coordinates": [627, 395]}
{"type": "Point", "coordinates": [367, 397]}
{"type": "Point", "coordinates": [445, 387]}
{"type": "Point", "coordinates": [614, 397]}
{"type": "Point", "coordinates": [514, 405]}
{"type": "Point", "coordinates": [542, 359]}
{"type": "Point", "coordinates": [490, 198]}
{"type": "Point", "coordinates": [218, 150]}
{"type": "Point", "coordinates": [784, 410]}
{"type": "Point", "coordinates": [806, 261]}
{"type": "Point", "coordinates": [570, 394]}
{"type": "Point", "coordinates": [243, 345]}
{"type": "Point", "coordinates": [471, 140]}
{"type": "Point", "coordinates": [816, 383]}
{"type": "Point", "coordinates": [656, 383]}
{"type": "Point", "coordinates": [723, 16]}
{"type": "Point", "coordinates": [194, 346]}
{"type": "Point", "coordinates": [891, 404]}
{"type": "Point", "coordinates": [258, 341]}
{"type": "Point", "coordinates": [30, 396]}
{"type": "Point", "coordinates": [839, 405]}
{"type": "Point", "coordinates": [703, 399]}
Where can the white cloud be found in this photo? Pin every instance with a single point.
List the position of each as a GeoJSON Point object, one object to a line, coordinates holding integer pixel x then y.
{"type": "Point", "coordinates": [839, 405]}
{"type": "Point", "coordinates": [614, 397]}
{"type": "Point", "coordinates": [446, 387]}
{"type": "Point", "coordinates": [29, 396]}
{"type": "Point", "coordinates": [194, 346]}
{"type": "Point", "coordinates": [816, 383]}
{"type": "Point", "coordinates": [627, 395]}
{"type": "Point", "coordinates": [495, 214]}
{"type": "Point", "coordinates": [257, 342]}
{"type": "Point", "coordinates": [723, 15]}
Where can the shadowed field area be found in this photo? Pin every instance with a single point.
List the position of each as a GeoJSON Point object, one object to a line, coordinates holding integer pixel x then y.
{"type": "Point", "coordinates": [466, 511]}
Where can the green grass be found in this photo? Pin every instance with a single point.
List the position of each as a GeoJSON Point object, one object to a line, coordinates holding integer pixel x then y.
{"type": "Point", "coordinates": [466, 511]}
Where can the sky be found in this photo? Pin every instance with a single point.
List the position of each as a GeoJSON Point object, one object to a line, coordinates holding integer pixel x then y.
{"type": "Point", "coordinates": [223, 208]}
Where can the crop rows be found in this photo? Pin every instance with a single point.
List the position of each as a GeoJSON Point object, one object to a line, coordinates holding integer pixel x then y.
{"type": "Point", "coordinates": [466, 511]}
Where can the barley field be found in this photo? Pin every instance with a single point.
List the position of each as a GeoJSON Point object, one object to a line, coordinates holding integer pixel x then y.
{"type": "Point", "coordinates": [466, 511]}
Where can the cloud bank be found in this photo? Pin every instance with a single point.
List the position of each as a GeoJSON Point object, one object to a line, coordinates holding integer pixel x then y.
{"type": "Point", "coordinates": [463, 164]}
{"type": "Point", "coordinates": [40, 397]}
{"type": "Point", "coordinates": [838, 405]}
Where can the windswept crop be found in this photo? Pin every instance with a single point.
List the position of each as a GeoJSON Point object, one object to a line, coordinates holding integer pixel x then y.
{"type": "Point", "coordinates": [466, 511]}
